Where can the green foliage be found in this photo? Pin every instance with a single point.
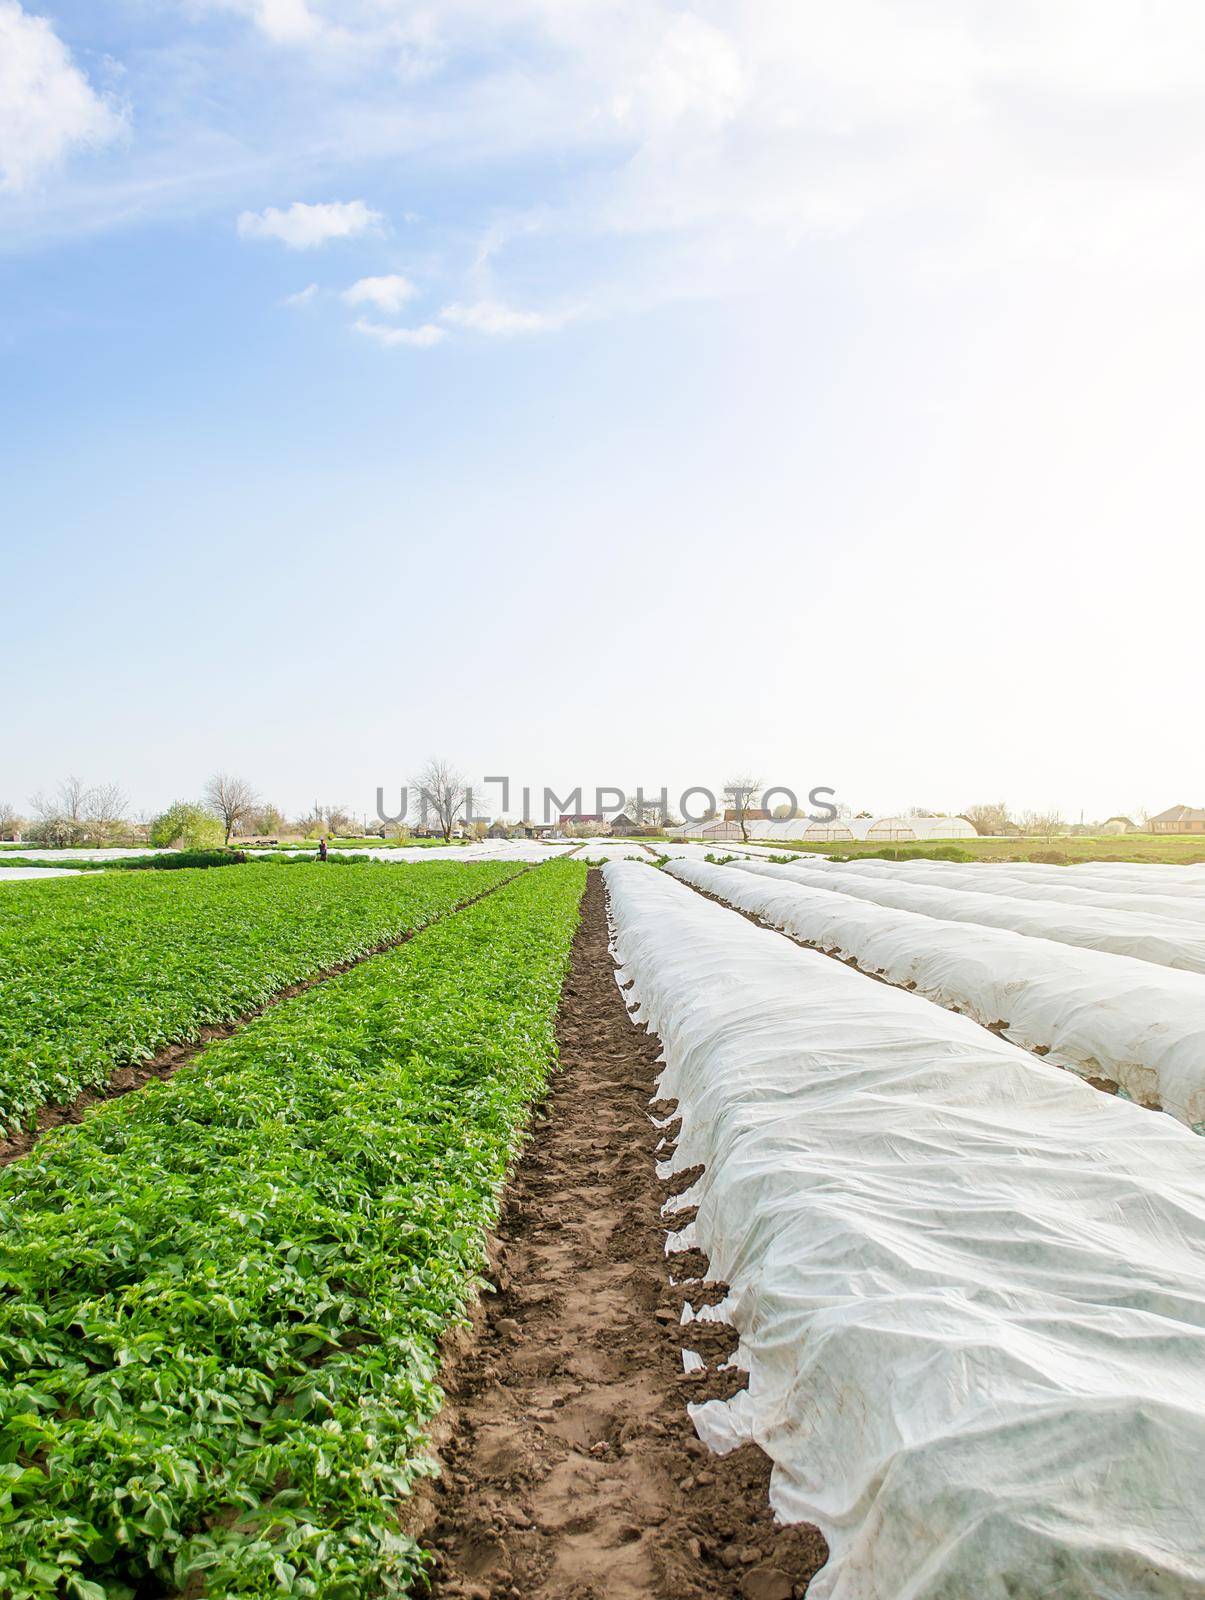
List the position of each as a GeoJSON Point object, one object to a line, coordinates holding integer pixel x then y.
{"type": "Point", "coordinates": [222, 856]}
{"type": "Point", "coordinates": [276, 858]}
{"type": "Point", "coordinates": [182, 858]}
{"type": "Point", "coordinates": [933, 852]}
{"type": "Point", "coordinates": [222, 1296]}
{"type": "Point", "coordinates": [109, 968]}
{"type": "Point", "coordinates": [186, 825]}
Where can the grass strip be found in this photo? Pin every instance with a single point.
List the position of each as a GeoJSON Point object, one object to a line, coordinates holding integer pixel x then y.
{"type": "Point", "coordinates": [99, 972]}
{"type": "Point", "coordinates": [220, 1299]}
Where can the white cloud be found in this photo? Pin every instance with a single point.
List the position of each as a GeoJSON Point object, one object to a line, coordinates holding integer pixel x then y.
{"type": "Point", "coordinates": [305, 227]}
{"type": "Point", "coordinates": [492, 316]}
{"type": "Point", "coordinates": [422, 337]}
{"type": "Point", "coordinates": [303, 297]}
{"type": "Point", "coordinates": [282, 21]}
{"type": "Point", "coordinates": [388, 294]}
{"type": "Point", "coordinates": [47, 106]}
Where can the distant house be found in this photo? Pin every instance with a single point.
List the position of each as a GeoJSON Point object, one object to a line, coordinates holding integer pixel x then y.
{"type": "Point", "coordinates": [532, 830]}
{"type": "Point", "coordinates": [1179, 819]}
{"type": "Point", "coordinates": [623, 824]}
{"type": "Point", "coordinates": [1115, 825]}
{"type": "Point", "coordinates": [750, 815]}
{"type": "Point", "coordinates": [498, 830]}
{"type": "Point", "coordinates": [10, 836]}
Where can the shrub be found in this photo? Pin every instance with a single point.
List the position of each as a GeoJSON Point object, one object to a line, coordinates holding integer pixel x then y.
{"type": "Point", "coordinates": [220, 857]}
{"type": "Point", "coordinates": [185, 826]}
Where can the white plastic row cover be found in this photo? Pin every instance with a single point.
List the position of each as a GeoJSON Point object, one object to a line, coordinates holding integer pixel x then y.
{"type": "Point", "coordinates": [969, 1289]}
{"type": "Point", "coordinates": [1140, 1027]}
{"type": "Point", "coordinates": [1164, 941]}
{"type": "Point", "coordinates": [1181, 898]}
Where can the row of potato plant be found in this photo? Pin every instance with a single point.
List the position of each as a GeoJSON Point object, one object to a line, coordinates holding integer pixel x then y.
{"type": "Point", "coordinates": [100, 971]}
{"type": "Point", "coordinates": [221, 1298]}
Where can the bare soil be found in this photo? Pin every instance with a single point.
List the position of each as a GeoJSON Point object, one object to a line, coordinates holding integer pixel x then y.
{"type": "Point", "coordinates": [571, 1470]}
{"type": "Point", "coordinates": [136, 1075]}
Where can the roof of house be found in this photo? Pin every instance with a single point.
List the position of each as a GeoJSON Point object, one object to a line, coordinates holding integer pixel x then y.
{"type": "Point", "coordinates": [1180, 814]}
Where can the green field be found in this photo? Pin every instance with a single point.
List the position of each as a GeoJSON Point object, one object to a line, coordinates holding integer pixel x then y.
{"type": "Point", "coordinates": [223, 1294]}
{"type": "Point", "coordinates": [107, 969]}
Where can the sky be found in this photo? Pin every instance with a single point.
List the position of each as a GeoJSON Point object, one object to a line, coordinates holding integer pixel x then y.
{"type": "Point", "coordinates": [604, 392]}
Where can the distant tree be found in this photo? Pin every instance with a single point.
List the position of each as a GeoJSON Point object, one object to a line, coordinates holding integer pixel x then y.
{"type": "Point", "coordinates": [645, 811]}
{"type": "Point", "coordinates": [441, 794]}
{"type": "Point", "coordinates": [268, 819]}
{"type": "Point", "coordinates": [104, 808]}
{"type": "Point", "coordinates": [184, 826]}
{"type": "Point", "coordinates": [11, 820]}
{"type": "Point", "coordinates": [58, 819]}
{"type": "Point", "coordinates": [232, 800]}
{"type": "Point", "coordinates": [1043, 824]}
{"type": "Point", "coordinates": [988, 817]}
{"type": "Point", "coordinates": [738, 792]}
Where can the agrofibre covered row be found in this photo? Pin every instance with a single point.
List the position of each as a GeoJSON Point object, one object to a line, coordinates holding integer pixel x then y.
{"type": "Point", "coordinates": [1164, 941]}
{"type": "Point", "coordinates": [1136, 1026]}
{"type": "Point", "coordinates": [968, 1288]}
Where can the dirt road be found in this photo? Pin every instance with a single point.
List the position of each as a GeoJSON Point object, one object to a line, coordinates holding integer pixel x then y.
{"type": "Point", "coordinates": [571, 1469]}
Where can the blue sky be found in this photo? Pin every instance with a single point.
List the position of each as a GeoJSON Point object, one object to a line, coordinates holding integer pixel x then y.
{"type": "Point", "coordinates": [604, 392]}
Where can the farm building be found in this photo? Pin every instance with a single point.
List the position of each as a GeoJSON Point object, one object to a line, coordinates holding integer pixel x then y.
{"type": "Point", "coordinates": [836, 831]}
{"type": "Point", "coordinates": [1179, 819]}
{"type": "Point", "coordinates": [716, 828]}
{"type": "Point", "coordinates": [801, 828]}
{"type": "Point", "coordinates": [908, 829]}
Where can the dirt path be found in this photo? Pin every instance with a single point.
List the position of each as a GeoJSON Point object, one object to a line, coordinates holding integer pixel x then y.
{"type": "Point", "coordinates": [571, 1470]}
{"type": "Point", "coordinates": [159, 1068]}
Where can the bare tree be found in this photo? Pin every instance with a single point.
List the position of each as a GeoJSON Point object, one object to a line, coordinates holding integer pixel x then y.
{"type": "Point", "coordinates": [988, 817]}
{"type": "Point", "coordinates": [1043, 823]}
{"type": "Point", "coordinates": [11, 819]}
{"type": "Point", "coordinates": [232, 801]}
{"type": "Point", "coordinates": [738, 791]}
{"type": "Point", "coordinates": [441, 793]}
{"type": "Point", "coordinates": [104, 808]}
{"type": "Point", "coordinates": [59, 818]}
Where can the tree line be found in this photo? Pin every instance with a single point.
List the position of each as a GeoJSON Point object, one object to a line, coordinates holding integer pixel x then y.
{"type": "Point", "coordinates": [76, 813]}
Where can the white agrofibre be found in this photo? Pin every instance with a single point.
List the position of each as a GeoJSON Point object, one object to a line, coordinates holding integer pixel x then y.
{"type": "Point", "coordinates": [1184, 900]}
{"type": "Point", "coordinates": [1165, 941]}
{"type": "Point", "coordinates": [969, 1289]}
{"type": "Point", "coordinates": [1138, 1026]}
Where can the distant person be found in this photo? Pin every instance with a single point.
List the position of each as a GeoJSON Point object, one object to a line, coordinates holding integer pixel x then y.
{"type": "Point", "coordinates": [322, 848]}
